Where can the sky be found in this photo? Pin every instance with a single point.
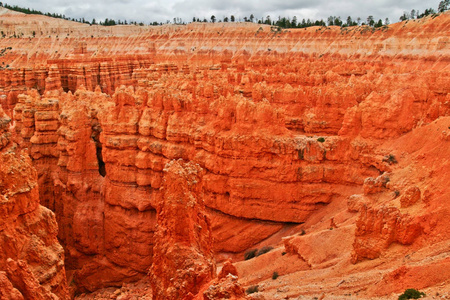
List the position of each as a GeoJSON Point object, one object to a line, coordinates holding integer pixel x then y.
{"type": "Point", "coordinates": [148, 11]}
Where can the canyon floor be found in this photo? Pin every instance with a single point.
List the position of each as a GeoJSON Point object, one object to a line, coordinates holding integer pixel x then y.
{"type": "Point", "coordinates": [146, 162]}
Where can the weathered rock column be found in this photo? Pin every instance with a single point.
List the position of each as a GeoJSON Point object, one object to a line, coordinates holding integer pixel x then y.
{"type": "Point", "coordinates": [31, 258]}
{"type": "Point", "coordinates": [182, 257]}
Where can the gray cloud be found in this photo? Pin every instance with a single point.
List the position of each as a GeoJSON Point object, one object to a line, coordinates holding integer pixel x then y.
{"type": "Point", "coordinates": [163, 10]}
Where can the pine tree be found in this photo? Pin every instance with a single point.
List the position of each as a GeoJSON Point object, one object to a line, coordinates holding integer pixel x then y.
{"type": "Point", "coordinates": [294, 22]}
{"type": "Point", "coordinates": [330, 21]}
{"type": "Point", "coordinates": [378, 24]}
{"type": "Point", "coordinates": [443, 5]}
{"type": "Point", "coordinates": [349, 21]}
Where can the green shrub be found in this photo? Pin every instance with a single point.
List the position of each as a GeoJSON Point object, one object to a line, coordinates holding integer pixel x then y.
{"type": "Point", "coordinates": [411, 294]}
{"type": "Point", "coordinates": [252, 289]}
{"type": "Point", "coordinates": [283, 253]}
{"type": "Point", "coordinates": [250, 254]}
{"type": "Point", "coordinates": [275, 275]}
{"type": "Point", "coordinates": [263, 250]}
{"type": "Point", "coordinates": [321, 140]}
{"type": "Point", "coordinates": [396, 193]}
{"type": "Point", "coordinates": [390, 159]}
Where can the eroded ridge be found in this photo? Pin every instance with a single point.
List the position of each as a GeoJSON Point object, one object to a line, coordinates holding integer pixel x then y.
{"type": "Point", "coordinates": [311, 135]}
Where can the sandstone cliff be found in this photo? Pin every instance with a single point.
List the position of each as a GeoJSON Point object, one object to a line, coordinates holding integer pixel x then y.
{"type": "Point", "coordinates": [31, 260]}
{"type": "Point", "coordinates": [319, 135]}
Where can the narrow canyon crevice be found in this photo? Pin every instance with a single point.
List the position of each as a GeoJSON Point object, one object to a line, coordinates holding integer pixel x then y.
{"type": "Point", "coordinates": [96, 130]}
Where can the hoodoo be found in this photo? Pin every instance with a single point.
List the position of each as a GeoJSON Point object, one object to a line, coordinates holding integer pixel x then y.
{"type": "Point", "coordinates": [182, 256]}
{"type": "Point", "coordinates": [139, 161]}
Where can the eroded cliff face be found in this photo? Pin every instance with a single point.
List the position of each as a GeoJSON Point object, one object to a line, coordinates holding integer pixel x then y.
{"type": "Point", "coordinates": [31, 260]}
{"type": "Point", "coordinates": [291, 129]}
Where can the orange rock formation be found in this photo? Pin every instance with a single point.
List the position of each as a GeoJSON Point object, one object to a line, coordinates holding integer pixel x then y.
{"type": "Point", "coordinates": [328, 144]}
{"type": "Point", "coordinates": [183, 260]}
{"type": "Point", "coordinates": [31, 260]}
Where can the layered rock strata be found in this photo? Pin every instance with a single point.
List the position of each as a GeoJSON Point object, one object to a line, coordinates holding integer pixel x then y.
{"type": "Point", "coordinates": [31, 260]}
{"type": "Point", "coordinates": [283, 124]}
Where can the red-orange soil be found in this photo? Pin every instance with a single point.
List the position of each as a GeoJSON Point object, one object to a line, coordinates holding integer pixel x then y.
{"type": "Point", "coordinates": [330, 145]}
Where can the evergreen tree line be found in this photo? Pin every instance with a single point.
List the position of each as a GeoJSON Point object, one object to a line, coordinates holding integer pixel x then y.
{"type": "Point", "coordinates": [106, 22]}
{"type": "Point", "coordinates": [37, 12]}
{"type": "Point", "coordinates": [281, 22]}
{"type": "Point", "coordinates": [415, 14]}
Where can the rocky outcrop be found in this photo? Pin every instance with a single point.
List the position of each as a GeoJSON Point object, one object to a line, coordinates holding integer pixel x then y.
{"type": "Point", "coordinates": [25, 281]}
{"type": "Point", "coordinates": [227, 268]}
{"type": "Point", "coordinates": [183, 260]}
{"type": "Point", "coordinates": [375, 185]}
{"type": "Point", "coordinates": [7, 290]}
{"type": "Point", "coordinates": [31, 254]}
{"type": "Point", "coordinates": [410, 196]}
{"type": "Point", "coordinates": [225, 288]}
{"type": "Point", "coordinates": [377, 229]}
